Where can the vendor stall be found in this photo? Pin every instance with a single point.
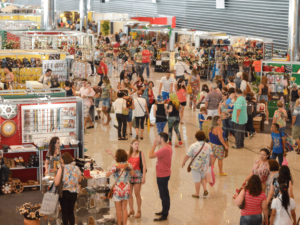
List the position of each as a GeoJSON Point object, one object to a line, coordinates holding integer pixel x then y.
{"type": "Point", "coordinates": [30, 65]}
{"type": "Point", "coordinates": [28, 124]}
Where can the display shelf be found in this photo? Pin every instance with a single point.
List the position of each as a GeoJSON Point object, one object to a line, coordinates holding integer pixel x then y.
{"type": "Point", "coordinates": [21, 152]}
{"type": "Point", "coordinates": [26, 186]}
{"type": "Point", "coordinates": [23, 168]}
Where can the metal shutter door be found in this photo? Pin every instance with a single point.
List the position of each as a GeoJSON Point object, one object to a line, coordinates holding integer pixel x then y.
{"type": "Point", "coordinates": [67, 5]}
{"type": "Point", "coordinates": [28, 2]}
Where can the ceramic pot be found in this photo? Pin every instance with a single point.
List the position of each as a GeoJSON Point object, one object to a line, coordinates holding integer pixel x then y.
{"type": "Point", "coordinates": [32, 222]}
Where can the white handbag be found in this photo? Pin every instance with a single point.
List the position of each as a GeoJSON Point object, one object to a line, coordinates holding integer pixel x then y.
{"type": "Point", "coordinates": [50, 203]}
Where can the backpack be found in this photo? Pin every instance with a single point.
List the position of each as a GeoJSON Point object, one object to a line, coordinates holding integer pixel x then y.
{"type": "Point", "coordinates": [288, 143]}
{"type": "Point", "coordinates": [145, 95]}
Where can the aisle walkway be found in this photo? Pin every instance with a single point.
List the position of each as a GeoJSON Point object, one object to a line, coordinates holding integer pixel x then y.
{"type": "Point", "coordinates": [218, 208]}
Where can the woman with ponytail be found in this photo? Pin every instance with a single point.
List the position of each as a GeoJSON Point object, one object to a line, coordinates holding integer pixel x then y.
{"type": "Point", "coordinates": [283, 208]}
{"type": "Point", "coordinates": [174, 118]}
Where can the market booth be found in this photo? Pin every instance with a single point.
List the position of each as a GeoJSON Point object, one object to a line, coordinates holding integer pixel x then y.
{"type": "Point", "coordinates": [30, 65]}
{"type": "Point", "coordinates": [28, 122]}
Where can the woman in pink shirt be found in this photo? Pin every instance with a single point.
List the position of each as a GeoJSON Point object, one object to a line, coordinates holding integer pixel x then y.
{"type": "Point", "coordinates": [181, 95]}
{"type": "Point", "coordinates": [255, 203]}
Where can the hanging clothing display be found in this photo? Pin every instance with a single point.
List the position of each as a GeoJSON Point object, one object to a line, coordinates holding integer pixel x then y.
{"type": "Point", "coordinates": [81, 69]}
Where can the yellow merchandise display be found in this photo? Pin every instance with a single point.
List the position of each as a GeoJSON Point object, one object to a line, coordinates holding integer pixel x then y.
{"type": "Point", "coordinates": [30, 65]}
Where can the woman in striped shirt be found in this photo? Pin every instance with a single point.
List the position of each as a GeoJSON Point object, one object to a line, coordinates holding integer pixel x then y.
{"type": "Point", "coordinates": [255, 203]}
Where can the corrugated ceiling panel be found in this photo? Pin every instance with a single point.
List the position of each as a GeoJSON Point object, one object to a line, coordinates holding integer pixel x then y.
{"type": "Point", "coordinates": [263, 18]}
{"type": "Point", "coordinates": [28, 2]}
{"type": "Point", "coordinates": [67, 5]}
{"type": "Point", "coordinates": [140, 7]}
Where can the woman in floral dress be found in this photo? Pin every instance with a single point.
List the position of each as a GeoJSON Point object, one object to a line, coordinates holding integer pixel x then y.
{"type": "Point", "coordinates": [194, 81]}
{"type": "Point", "coordinates": [121, 191]}
{"type": "Point", "coordinates": [201, 164]}
{"type": "Point", "coordinates": [261, 168]}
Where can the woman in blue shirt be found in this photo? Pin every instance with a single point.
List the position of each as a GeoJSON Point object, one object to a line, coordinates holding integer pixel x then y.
{"type": "Point", "coordinates": [277, 143]}
{"type": "Point", "coordinates": [217, 142]}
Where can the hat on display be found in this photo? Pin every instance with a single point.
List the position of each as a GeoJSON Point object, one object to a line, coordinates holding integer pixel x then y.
{"type": "Point", "coordinates": [179, 58]}
{"type": "Point", "coordinates": [160, 98]}
{"type": "Point", "coordinates": [239, 74]}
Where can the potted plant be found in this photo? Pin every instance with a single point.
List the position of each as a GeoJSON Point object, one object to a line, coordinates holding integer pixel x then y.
{"type": "Point", "coordinates": [31, 213]}
{"type": "Point", "coordinates": [105, 28]}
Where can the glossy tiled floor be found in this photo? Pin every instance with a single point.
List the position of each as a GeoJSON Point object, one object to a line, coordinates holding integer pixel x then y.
{"type": "Point", "coordinates": [218, 208]}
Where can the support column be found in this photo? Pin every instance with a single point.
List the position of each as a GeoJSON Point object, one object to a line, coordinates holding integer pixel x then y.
{"type": "Point", "coordinates": [83, 14]}
{"type": "Point", "coordinates": [49, 18]}
{"type": "Point", "coordinates": [293, 32]}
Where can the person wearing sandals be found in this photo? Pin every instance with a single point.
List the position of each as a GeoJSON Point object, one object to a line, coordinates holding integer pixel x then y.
{"type": "Point", "coordinates": [106, 98]}
{"type": "Point", "coordinates": [280, 116]}
{"type": "Point", "coordinates": [159, 112]}
{"type": "Point", "coordinates": [120, 107]}
{"type": "Point", "coordinates": [121, 170]}
{"type": "Point", "coordinates": [140, 107]}
{"type": "Point", "coordinates": [163, 172]}
{"type": "Point", "coordinates": [217, 142]}
{"type": "Point", "coordinates": [201, 163]}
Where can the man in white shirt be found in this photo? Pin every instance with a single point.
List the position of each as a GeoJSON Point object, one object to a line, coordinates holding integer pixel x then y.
{"type": "Point", "coordinates": [124, 39]}
{"type": "Point", "coordinates": [85, 92]}
{"type": "Point", "coordinates": [166, 86]}
{"type": "Point", "coordinates": [46, 79]}
{"type": "Point", "coordinates": [179, 68]}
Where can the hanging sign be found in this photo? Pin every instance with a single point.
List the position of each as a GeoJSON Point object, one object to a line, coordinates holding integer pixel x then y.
{"type": "Point", "coordinates": [220, 4]}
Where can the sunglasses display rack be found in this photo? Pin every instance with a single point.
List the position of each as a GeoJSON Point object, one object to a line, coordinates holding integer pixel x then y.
{"type": "Point", "coordinates": [58, 67]}
{"type": "Point", "coordinates": [40, 122]}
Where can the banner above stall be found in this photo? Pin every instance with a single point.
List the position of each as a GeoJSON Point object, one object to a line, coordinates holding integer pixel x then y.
{"type": "Point", "coordinates": [168, 20]}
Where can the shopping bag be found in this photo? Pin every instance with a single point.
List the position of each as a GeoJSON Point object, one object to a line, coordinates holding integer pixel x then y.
{"type": "Point", "coordinates": [50, 203]}
{"type": "Point", "coordinates": [213, 177]}
{"type": "Point", "coordinates": [133, 123]}
{"type": "Point", "coordinates": [189, 89]}
{"type": "Point", "coordinates": [285, 162]}
{"type": "Point", "coordinates": [208, 175]}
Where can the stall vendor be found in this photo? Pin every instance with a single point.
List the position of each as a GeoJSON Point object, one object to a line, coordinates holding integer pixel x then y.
{"type": "Point", "coordinates": [52, 162]}
{"type": "Point", "coordinates": [9, 78]}
{"type": "Point", "coordinates": [46, 79]}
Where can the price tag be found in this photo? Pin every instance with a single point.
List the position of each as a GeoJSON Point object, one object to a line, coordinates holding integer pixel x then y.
{"type": "Point", "coordinates": [158, 62]}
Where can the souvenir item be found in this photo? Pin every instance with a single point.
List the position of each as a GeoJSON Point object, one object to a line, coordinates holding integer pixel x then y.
{"type": "Point", "coordinates": [8, 111]}
{"type": "Point", "coordinates": [72, 111]}
{"type": "Point", "coordinates": [17, 186]}
{"type": "Point", "coordinates": [7, 188]}
{"type": "Point", "coordinates": [278, 78]}
{"type": "Point", "coordinates": [270, 79]}
{"type": "Point", "coordinates": [8, 128]}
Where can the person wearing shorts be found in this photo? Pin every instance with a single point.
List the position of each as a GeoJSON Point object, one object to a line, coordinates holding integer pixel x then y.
{"type": "Point", "coordinates": [166, 86]}
{"type": "Point", "coordinates": [201, 163]}
{"type": "Point", "coordinates": [181, 95]}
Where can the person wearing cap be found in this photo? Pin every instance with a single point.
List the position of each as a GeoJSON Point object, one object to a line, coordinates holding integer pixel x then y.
{"type": "Point", "coordinates": [238, 80]}
{"type": "Point", "coordinates": [180, 68]}
{"type": "Point", "coordinates": [146, 61]}
{"type": "Point", "coordinates": [159, 112]}
{"type": "Point", "coordinates": [166, 86]}
{"type": "Point", "coordinates": [212, 101]}
{"type": "Point", "coordinates": [295, 94]}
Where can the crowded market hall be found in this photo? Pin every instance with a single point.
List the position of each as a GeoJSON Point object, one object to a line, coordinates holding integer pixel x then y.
{"type": "Point", "coordinates": [172, 112]}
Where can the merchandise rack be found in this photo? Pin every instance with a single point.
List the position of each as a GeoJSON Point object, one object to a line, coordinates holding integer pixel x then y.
{"type": "Point", "coordinates": [17, 138]}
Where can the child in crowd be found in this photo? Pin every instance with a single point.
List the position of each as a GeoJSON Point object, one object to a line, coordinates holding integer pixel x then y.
{"type": "Point", "coordinates": [206, 125]}
{"type": "Point", "coordinates": [202, 116]}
